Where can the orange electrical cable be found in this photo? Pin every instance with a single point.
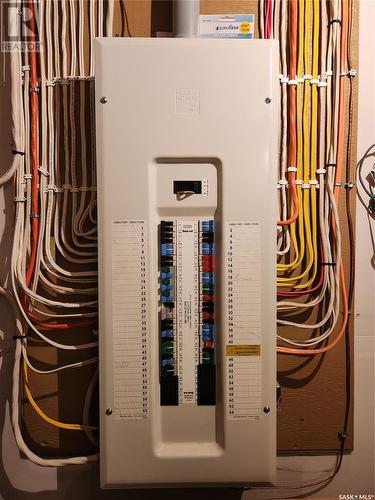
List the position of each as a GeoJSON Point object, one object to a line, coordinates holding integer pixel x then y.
{"type": "Point", "coordinates": [34, 104]}
{"type": "Point", "coordinates": [292, 112]}
{"type": "Point", "coordinates": [62, 326]}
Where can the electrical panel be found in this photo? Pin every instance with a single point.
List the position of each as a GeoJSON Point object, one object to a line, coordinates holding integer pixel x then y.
{"type": "Point", "coordinates": [187, 141]}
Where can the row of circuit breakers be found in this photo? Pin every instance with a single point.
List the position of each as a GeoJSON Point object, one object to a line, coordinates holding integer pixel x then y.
{"type": "Point", "coordinates": [187, 139]}
{"type": "Point", "coordinates": [201, 234]}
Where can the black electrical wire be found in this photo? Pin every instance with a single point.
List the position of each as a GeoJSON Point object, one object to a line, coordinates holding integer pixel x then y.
{"type": "Point", "coordinates": [368, 154]}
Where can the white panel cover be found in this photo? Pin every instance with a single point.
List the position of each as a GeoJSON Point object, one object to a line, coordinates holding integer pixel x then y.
{"type": "Point", "coordinates": [182, 109]}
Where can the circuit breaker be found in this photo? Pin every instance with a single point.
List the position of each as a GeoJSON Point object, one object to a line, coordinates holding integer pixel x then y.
{"type": "Point", "coordinates": [187, 140]}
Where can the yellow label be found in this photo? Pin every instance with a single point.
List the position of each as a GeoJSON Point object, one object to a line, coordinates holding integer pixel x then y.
{"type": "Point", "coordinates": [245, 28]}
{"type": "Point", "coordinates": [243, 350]}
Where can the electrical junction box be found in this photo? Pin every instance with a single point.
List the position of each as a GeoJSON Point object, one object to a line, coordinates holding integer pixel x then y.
{"type": "Point", "coordinates": [187, 141]}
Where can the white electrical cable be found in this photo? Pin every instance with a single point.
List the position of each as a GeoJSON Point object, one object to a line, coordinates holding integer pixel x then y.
{"type": "Point", "coordinates": [47, 462]}
{"type": "Point", "coordinates": [109, 21]}
{"type": "Point", "coordinates": [21, 245]}
{"type": "Point", "coordinates": [15, 70]}
{"type": "Point", "coordinates": [284, 232]}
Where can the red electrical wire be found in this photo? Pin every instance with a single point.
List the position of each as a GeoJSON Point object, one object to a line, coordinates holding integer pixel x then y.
{"type": "Point", "coordinates": [61, 326]}
{"type": "Point", "coordinates": [300, 293]}
{"type": "Point", "coordinates": [268, 19]}
{"type": "Point", "coordinates": [310, 352]}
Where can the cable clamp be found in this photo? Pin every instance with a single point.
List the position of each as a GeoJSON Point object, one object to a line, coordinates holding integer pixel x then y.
{"type": "Point", "coordinates": [84, 78]}
{"type": "Point", "coordinates": [283, 182]}
{"type": "Point", "coordinates": [349, 185]}
{"type": "Point", "coordinates": [74, 189]}
{"type": "Point", "coordinates": [50, 83]}
{"type": "Point", "coordinates": [338, 184]}
{"type": "Point", "coordinates": [342, 436]}
{"type": "Point", "coordinates": [84, 189]}
{"type": "Point", "coordinates": [66, 187]}
{"type": "Point", "coordinates": [328, 73]}
{"type": "Point", "coordinates": [51, 187]}
{"type": "Point", "coordinates": [19, 199]}
{"type": "Point", "coordinates": [314, 81]}
{"type": "Point", "coordinates": [283, 78]}
{"type": "Point", "coordinates": [321, 84]}
{"type": "Point", "coordinates": [292, 169]}
{"type": "Point", "coordinates": [313, 182]}
{"type": "Point", "coordinates": [28, 176]}
{"type": "Point", "coordinates": [16, 152]}
{"type": "Point", "coordinates": [307, 77]}
{"type": "Point", "coordinates": [298, 182]}
{"type": "Point", "coordinates": [351, 72]}
{"type": "Point", "coordinates": [321, 171]}
{"type": "Point", "coordinates": [26, 67]}
{"type": "Point", "coordinates": [34, 216]}
{"type": "Point", "coordinates": [293, 82]}
{"type": "Point", "coordinates": [43, 171]}
{"type": "Point", "coordinates": [305, 186]}
{"type": "Point", "coordinates": [35, 89]}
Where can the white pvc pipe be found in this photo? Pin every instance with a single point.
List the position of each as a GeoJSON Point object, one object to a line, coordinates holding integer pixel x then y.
{"type": "Point", "coordinates": [185, 18]}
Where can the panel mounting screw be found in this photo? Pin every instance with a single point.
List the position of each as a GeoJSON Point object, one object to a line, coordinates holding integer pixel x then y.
{"type": "Point", "coordinates": [266, 409]}
{"type": "Point", "coordinates": [108, 411]}
{"type": "Point", "coordinates": [104, 99]}
{"type": "Point", "coordinates": [267, 100]}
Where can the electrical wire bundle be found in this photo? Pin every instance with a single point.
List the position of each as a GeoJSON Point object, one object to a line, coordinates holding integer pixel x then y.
{"type": "Point", "coordinates": [314, 49]}
{"type": "Point", "coordinates": [54, 255]}
{"type": "Point", "coordinates": [315, 158]}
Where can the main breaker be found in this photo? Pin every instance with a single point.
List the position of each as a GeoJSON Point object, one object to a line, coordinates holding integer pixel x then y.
{"type": "Point", "coordinates": [187, 140]}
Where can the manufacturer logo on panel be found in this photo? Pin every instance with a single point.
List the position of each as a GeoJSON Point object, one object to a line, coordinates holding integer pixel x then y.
{"type": "Point", "coordinates": [187, 101]}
